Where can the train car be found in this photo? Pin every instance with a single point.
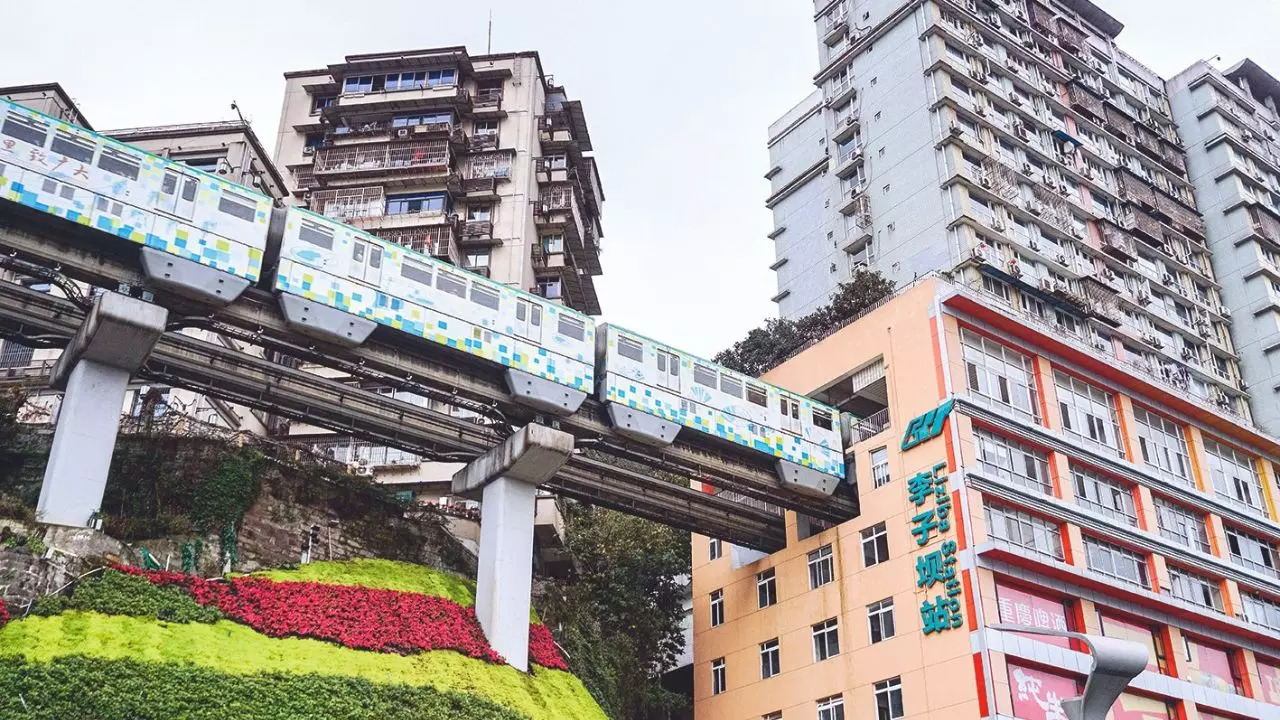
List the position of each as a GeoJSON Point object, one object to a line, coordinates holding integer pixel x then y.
{"type": "Point", "coordinates": [337, 283]}
{"type": "Point", "coordinates": [652, 390]}
{"type": "Point", "coordinates": [175, 212]}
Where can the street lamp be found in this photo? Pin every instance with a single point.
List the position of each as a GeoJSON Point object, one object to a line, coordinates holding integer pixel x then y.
{"type": "Point", "coordinates": [1115, 663]}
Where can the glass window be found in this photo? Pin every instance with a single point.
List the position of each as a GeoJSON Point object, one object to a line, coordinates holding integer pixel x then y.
{"type": "Point", "coordinates": [766, 588]}
{"type": "Point", "coordinates": [770, 659]}
{"type": "Point", "coordinates": [118, 162]}
{"type": "Point", "coordinates": [358, 84]}
{"type": "Point", "coordinates": [717, 607]}
{"type": "Point", "coordinates": [889, 699]}
{"type": "Point", "coordinates": [717, 676]}
{"type": "Point", "coordinates": [451, 283]}
{"type": "Point", "coordinates": [1234, 474]}
{"type": "Point", "coordinates": [1013, 461]}
{"type": "Point", "coordinates": [1163, 446]}
{"type": "Point", "coordinates": [757, 395]}
{"type": "Point", "coordinates": [415, 203]}
{"type": "Point", "coordinates": [553, 244]}
{"type": "Point", "coordinates": [880, 620]}
{"type": "Point", "coordinates": [632, 350]}
{"type": "Point", "coordinates": [315, 234]}
{"type": "Point", "coordinates": [714, 549]}
{"type": "Point", "coordinates": [730, 385]}
{"type": "Point", "coordinates": [480, 213]}
{"type": "Point", "coordinates": [416, 272]}
{"type": "Point", "coordinates": [30, 130]}
{"type": "Point", "coordinates": [1025, 530]}
{"type": "Point", "coordinates": [441, 77]}
{"type": "Point", "coordinates": [1088, 413]}
{"type": "Point", "coordinates": [237, 207]}
{"type": "Point", "coordinates": [1148, 635]}
{"type": "Point", "coordinates": [999, 375]}
{"type": "Point", "coordinates": [821, 567]}
{"type": "Point", "coordinates": [1104, 495]}
{"type": "Point", "coordinates": [880, 467]}
{"type": "Point", "coordinates": [1212, 666]}
{"type": "Point", "coordinates": [483, 295]}
{"type": "Point", "coordinates": [1261, 611]}
{"type": "Point", "coordinates": [321, 102]}
{"type": "Point", "coordinates": [573, 327]}
{"type": "Point", "coordinates": [1181, 525]}
{"type": "Point", "coordinates": [72, 146]}
{"type": "Point", "coordinates": [826, 640]}
{"type": "Point", "coordinates": [1253, 552]}
{"type": "Point", "coordinates": [704, 375]}
{"type": "Point", "coordinates": [875, 545]}
{"type": "Point", "coordinates": [1194, 588]}
{"type": "Point", "coordinates": [821, 418]}
{"type": "Point", "coordinates": [831, 708]}
{"type": "Point", "coordinates": [1116, 562]}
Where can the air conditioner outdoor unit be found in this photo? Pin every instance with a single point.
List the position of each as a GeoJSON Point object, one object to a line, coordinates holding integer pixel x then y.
{"type": "Point", "coordinates": [1062, 258]}
{"type": "Point", "coordinates": [309, 150]}
{"type": "Point", "coordinates": [402, 132]}
{"type": "Point", "coordinates": [1026, 168]}
{"type": "Point", "coordinates": [998, 225]}
{"type": "Point", "coordinates": [1168, 279]}
{"type": "Point", "coordinates": [1015, 99]}
{"type": "Point", "coordinates": [985, 182]}
{"type": "Point", "coordinates": [1099, 345]}
{"type": "Point", "coordinates": [1034, 245]}
{"type": "Point", "coordinates": [1046, 284]}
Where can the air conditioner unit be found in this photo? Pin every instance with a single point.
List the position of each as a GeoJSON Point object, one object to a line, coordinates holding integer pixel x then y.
{"type": "Point", "coordinates": [981, 110]}
{"type": "Point", "coordinates": [1015, 99]}
{"type": "Point", "coordinates": [1188, 355]}
{"type": "Point", "coordinates": [994, 19]}
{"type": "Point", "coordinates": [1018, 13]}
{"type": "Point", "coordinates": [1224, 311]}
{"type": "Point", "coordinates": [998, 225]}
{"type": "Point", "coordinates": [1034, 245]}
{"type": "Point", "coordinates": [985, 182]}
{"type": "Point", "coordinates": [1144, 298]}
{"type": "Point", "coordinates": [1077, 233]}
{"type": "Point", "coordinates": [1087, 171]}
{"type": "Point", "coordinates": [1061, 258]}
{"type": "Point", "coordinates": [1026, 169]}
{"type": "Point", "coordinates": [956, 130]}
{"type": "Point", "coordinates": [1109, 274]}
{"type": "Point", "coordinates": [309, 150]}
{"type": "Point", "coordinates": [402, 132]}
{"type": "Point", "coordinates": [1168, 279]}
{"type": "Point", "coordinates": [1046, 284]}
{"type": "Point", "coordinates": [1099, 345]}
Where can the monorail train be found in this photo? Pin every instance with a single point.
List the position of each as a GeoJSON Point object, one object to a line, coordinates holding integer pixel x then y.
{"type": "Point", "coordinates": [209, 239]}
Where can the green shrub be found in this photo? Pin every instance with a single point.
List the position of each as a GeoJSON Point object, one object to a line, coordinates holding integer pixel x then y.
{"type": "Point", "coordinates": [383, 575]}
{"type": "Point", "coordinates": [50, 605]}
{"type": "Point", "coordinates": [115, 593]}
{"type": "Point", "coordinates": [93, 689]}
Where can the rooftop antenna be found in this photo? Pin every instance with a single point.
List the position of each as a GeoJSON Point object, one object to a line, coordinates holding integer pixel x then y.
{"type": "Point", "coordinates": [488, 49]}
{"type": "Point", "coordinates": [236, 107]}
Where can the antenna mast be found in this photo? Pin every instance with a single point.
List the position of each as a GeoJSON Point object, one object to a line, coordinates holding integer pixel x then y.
{"type": "Point", "coordinates": [489, 45]}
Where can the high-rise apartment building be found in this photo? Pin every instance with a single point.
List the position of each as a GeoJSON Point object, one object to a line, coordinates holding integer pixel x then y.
{"type": "Point", "coordinates": [1016, 477]}
{"type": "Point", "coordinates": [480, 161]}
{"type": "Point", "coordinates": [1013, 144]}
{"type": "Point", "coordinates": [1229, 123]}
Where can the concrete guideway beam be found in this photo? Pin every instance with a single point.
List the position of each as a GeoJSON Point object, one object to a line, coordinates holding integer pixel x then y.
{"type": "Point", "coordinates": [93, 372]}
{"type": "Point", "coordinates": [508, 476]}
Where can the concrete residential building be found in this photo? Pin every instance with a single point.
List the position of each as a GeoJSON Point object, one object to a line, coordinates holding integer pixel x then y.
{"type": "Point", "coordinates": [1230, 125]}
{"type": "Point", "coordinates": [1014, 144]}
{"type": "Point", "coordinates": [1057, 489]}
{"type": "Point", "coordinates": [480, 161]}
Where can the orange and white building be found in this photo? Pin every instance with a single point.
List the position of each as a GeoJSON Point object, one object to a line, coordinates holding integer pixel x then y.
{"type": "Point", "coordinates": [1040, 484]}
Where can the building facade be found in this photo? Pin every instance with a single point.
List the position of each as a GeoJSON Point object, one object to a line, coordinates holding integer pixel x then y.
{"type": "Point", "coordinates": [1014, 136]}
{"type": "Point", "coordinates": [480, 161]}
{"type": "Point", "coordinates": [1017, 478]}
{"type": "Point", "coordinates": [1231, 129]}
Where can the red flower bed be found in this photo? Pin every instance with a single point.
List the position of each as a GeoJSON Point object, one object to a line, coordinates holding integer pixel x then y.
{"type": "Point", "coordinates": [356, 617]}
{"type": "Point", "coordinates": [4, 614]}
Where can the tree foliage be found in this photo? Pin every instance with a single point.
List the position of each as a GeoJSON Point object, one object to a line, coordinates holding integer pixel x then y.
{"type": "Point", "coordinates": [768, 345]}
{"type": "Point", "coordinates": [619, 620]}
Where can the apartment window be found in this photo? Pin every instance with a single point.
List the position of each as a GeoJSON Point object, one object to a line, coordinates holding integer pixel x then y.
{"type": "Point", "coordinates": [1234, 474]}
{"type": "Point", "coordinates": [775, 715]}
{"type": "Point", "coordinates": [1151, 636]}
{"type": "Point", "coordinates": [553, 244]}
{"type": "Point", "coordinates": [766, 588]}
{"type": "Point", "coordinates": [875, 545]}
{"type": "Point", "coordinates": [770, 659]}
{"type": "Point", "coordinates": [717, 607]}
{"type": "Point", "coordinates": [441, 77]}
{"type": "Point", "coordinates": [826, 640]}
{"type": "Point", "coordinates": [889, 699]}
{"type": "Point", "coordinates": [486, 127]}
{"type": "Point", "coordinates": [1116, 562]}
{"type": "Point", "coordinates": [1163, 446]}
{"type": "Point", "coordinates": [322, 102]}
{"type": "Point", "coordinates": [360, 84]}
{"type": "Point", "coordinates": [428, 119]}
{"type": "Point", "coordinates": [1013, 461]}
{"type": "Point", "coordinates": [831, 708]}
{"type": "Point", "coordinates": [1088, 413]}
{"type": "Point", "coordinates": [1195, 589]}
{"type": "Point", "coordinates": [415, 203]}
{"type": "Point", "coordinates": [714, 549]}
{"type": "Point", "coordinates": [880, 620]}
{"type": "Point", "coordinates": [717, 676]}
{"type": "Point", "coordinates": [405, 80]}
{"type": "Point", "coordinates": [1261, 611]}
{"type": "Point", "coordinates": [478, 259]}
{"type": "Point", "coordinates": [1181, 525]}
{"type": "Point", "coordinates": [1104, 495]}
{"type": "Point", "coordinates": [880, 467]}
{"type": "Point", "coordinates": [1024, 530]}
{"type": "Point", "coordinates": [1000, 375]}
{"type": "Point", "coordinates": [821, 567]}
{"type": "Point", "coordinates": [480, 213]}
{"type": "Point", "coordinates": [1253, 552]}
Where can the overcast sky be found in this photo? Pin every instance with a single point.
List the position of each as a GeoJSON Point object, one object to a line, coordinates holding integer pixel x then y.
{"type": "Point", "coordinates": [678, 96]}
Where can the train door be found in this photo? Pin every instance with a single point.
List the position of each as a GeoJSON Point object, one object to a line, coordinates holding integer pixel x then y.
{"type": "Point", "coordinates": [178, 193]}
{"type": "Point", "coordinates": [790, 415]}
{"type": "Point", "coordinates": [669, 370]}
{"type": "Point", "coordinates": [366, 262]}
{"type": "Point", "coordinates": [529, 320]}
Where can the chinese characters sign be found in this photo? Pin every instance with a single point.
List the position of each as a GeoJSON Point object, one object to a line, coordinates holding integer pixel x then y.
{"type": "Point", "coordinates": [1038, 695]}
{"type": "Point", "coordinates": [1020, 607]}
{"type": "Point", "coordinates": [927, 426]}
{"type": "Point", "coordinates": [935, 570]}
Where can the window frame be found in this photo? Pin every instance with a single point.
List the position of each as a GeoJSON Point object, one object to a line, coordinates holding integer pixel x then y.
{"type": "Point", "coordinates": [826, 639]}
{"type": "Point", "coordinates": [875, 537]}
{"type": "Point", "coordinates": [891, 690]}
{"type": "Point", "coordinates": [880, 621]}
{"type": "Point", "coordinates": [719, 676]}
{"type": "Point", "coordinates": [823, 557]}
{"type": "Point", "coordinates": [770, 659]}
{"type": "Point", "coordinates": [715, 607]}
{"type": "Point", "coordinates": [879, 478]}
{"type": "Point", "coordinates": [766, 588]}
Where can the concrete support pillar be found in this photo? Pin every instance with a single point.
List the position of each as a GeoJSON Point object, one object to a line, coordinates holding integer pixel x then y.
{"type": "Point", "coordinates": [93, 372]}
{"type": "Point", "coordinates": [506, 478]}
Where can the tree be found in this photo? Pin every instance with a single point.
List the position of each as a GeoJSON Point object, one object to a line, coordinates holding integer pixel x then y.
{"type": "Point", "coordinates": [768, 345]}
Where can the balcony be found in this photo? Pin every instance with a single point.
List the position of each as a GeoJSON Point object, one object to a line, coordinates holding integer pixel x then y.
{"type": "Point", "coordinates": [1117, 243]}
{"type": "Point", "coordinates": [564, 128]}
{"type": "Point", "coordinates": [846, 126]}
{"type": "Point", "coordinates": [477, 232]}
{"type": "Point", "coordinates": [1141, 224]}
{"type": "Point", "coordinates": [423, 98]}
{"type": "Point", "coordinates": [834, 28]}
{"type": "Point", "coordinates": [391, 163]}
{"type": "Point", "coordinates": [857, 204]}
{"type": "Point", "coordinates": [438, 241]}
{"type": "Point", "coordinates": [1264, 225]}
{"type": "Point", "coordinates": [349, 204]}
{"type": "Point", "coordinates": [1135, 189]}
{"type": "Point", "coordinates": [1070, 38]}
{"type": "Point", "coordinates": [849, 160]}
{"type": "Point", "coordinates": [841, 89]}
{"type": "Point", "coordinates": [487, 103]}
{"type": "Point", "coordinates": [486, 142]}
{"type": "Point", "coordinates": [304, 179]}
{"type": "Point", "coordinates": [870, 426]}
{"type": "Point", "coordinates": [560, 208]}
{"type": "Point", "coordinates": [1085, 102]}
{"type": "Point", "coordinates": [1117, 123]}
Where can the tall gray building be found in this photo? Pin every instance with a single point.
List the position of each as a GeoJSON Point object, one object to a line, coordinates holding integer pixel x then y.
{"type": "Point", "coordinates": [1229, 123]}
{"type": "Point", "coordinates": [1013, 144]}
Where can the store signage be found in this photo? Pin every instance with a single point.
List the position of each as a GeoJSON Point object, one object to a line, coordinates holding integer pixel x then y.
{"type": "Point", "coordinates": [927, 426]}
{"type": "Point", "coordinates": [935, 570]}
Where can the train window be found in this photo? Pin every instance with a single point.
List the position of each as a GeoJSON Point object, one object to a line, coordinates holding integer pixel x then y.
{"type": "Point", "coordinates": [757, 395]}
{"type": "Point", "coordinates": [110, 207]}
{"type": "Point", "coordinates": [669, 370]}
{"type": "Point", "coordinates": [822, 418]}
{"type": "Point", "coordinates": [28, 130]}
{"type": "Point", "coordinates": [375, 256]}
{"type": "Point", "coordinates": [573, 327]}
{"type": "Point", "coordinates": [416, 272]}
{"type": "Point", "coordinates": [790, 414]}
{"type": "Point", "coordinates": [189, 189]}
{"type": "Point", "coordinates": [72, 146]}
{"type": "Point", "coordinates": [629, 348]}
{"type": "Point", "coordinates": [485, 296]}
{"type": "Point", "coordinates": [170, 184]}
{"type": "Point", "coordinates": [320, 236]}
{"type": "Point", "coordinates": [451, 283]}
{"type": "Point", "coordinates": [704, 375]}
{"type": "Point", "coordinates": [119, 163]}
{"type": "Point", "coordinates": [730, 386]}
{"type": "Point", "coordinates": [236, 206]}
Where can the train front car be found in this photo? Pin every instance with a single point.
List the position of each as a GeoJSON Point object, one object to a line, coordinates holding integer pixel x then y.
{"type": "Point", "coordinates": [652, 390]}
{"type": "Point", "coordinates": [338, 283]}
{"type": "Point", "coordinates": [201, 237]}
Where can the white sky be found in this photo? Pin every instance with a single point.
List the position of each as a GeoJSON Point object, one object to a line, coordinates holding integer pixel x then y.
{"type": "Point", "coordinates": [678, 97]}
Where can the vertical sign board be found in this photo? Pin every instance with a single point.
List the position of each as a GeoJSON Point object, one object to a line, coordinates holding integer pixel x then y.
{"type": "Point", "coordinates": [930, 496]}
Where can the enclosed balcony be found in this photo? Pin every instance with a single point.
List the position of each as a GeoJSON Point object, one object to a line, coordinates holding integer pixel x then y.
{"type": "Point", "coordinates": [487, 103]}
{"type": "Point", "coordinates": [560, 208]}
{"type": "Point", "coordinates": [1142, 225]}
{"type": "Point", "coordinates": [566, 126]}
{"type": "Point", "coordinates": [1085, 102]}
{"type": "Point", "coordinates": [1116, 242]}
{"type": "Point", "coordinates": [1181, 218]}
{"type": "Point", "coordinates": [394, 163]}
{"type": "Point", "coordinates": [1116, 121]}
{"type": "Point", "coordinates": [1263, 224]}
{"type": "Point", "coordinates": [438, 241]}
{"type": "Point", "coordinates": [427, 97]}
{"type": "Point", "coordinates": [349, 204]}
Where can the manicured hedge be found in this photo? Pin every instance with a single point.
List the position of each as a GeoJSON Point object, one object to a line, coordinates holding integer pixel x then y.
{"type": "Point", "coordinates": [117, 593]}
{"type": "Point", "coordinates": [94, 689]}
{"type": "Point", "coordinates": [382, 575]}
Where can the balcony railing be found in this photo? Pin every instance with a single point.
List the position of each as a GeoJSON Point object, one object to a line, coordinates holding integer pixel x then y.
{"type": "Point", "coordinates": [349, 203]}
{"type": "Point", "coordinates": [429, 157]}
{"type": "Point", "coordinates": [1117, 243]}
{"type": "Point", "coordinates": [870, 426]}
{"type": "Point", "coordinates": [487, 99]}
{"type": "Point", "coordinates": [439, 241]}
{"type": "Point", "coordinates": [756, 503]}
